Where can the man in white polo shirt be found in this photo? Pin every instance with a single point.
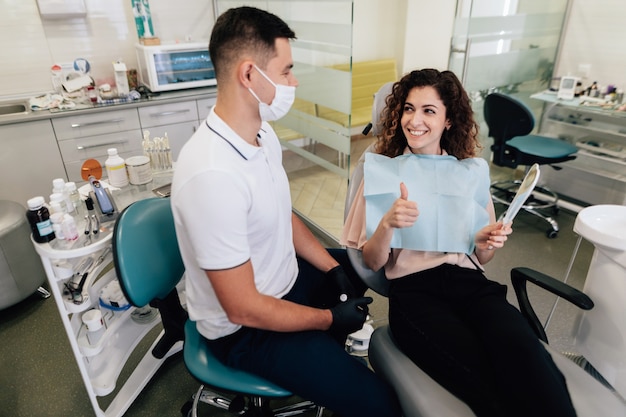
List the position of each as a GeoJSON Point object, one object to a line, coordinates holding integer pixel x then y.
{"type": "Point", "coordinates": [268, 297]}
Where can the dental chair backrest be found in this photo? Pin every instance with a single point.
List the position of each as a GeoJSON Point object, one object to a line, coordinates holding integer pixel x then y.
{"type": "Point", "coordinates": [375, 280]}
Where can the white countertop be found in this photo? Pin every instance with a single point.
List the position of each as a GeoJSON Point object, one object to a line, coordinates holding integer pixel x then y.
{"type": "Point", "coordinates": [155, 98]}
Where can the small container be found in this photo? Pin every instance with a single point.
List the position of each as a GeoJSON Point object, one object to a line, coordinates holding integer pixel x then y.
{"type": "Point", "coordinates": [116, 169]}
{"type": "Point", "coordinates": [139, 171]}
{"type": "Point", "coordinates": [57, 225]}
{"type": "Point", "coordinates": [74, 197]}
{"type": "Point", "coordinates": [91, 93]}
{"type": "Point", "coordinates": [94, 323]}
{"type": "Point", "coordinates": [57, 78]}
{"type": "Point", "coordinates": [38, 217]}
{"type": "Point", "coordinates": [70, 230]}
{"type": "Point", "coordinates": [57, 203]}
{"type": "Point", "coordinates": [58, 186]}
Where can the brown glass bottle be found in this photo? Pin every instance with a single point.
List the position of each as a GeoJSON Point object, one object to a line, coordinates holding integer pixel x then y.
{"type": "Point", "coordinates": [39, 219]}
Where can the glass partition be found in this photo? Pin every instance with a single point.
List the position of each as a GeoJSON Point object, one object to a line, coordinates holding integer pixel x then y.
{"type": "Point", "coordinates": [316, 133]}
{"type": "Point", "coordinates": [508, 46]}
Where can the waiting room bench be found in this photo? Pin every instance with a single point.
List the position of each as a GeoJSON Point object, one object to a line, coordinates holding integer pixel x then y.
{"type": "Point", "coordinates": [367, 78]}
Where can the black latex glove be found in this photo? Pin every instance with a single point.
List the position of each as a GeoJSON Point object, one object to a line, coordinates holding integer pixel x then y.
{"type": "Point", "coordinates": [346, 289]}
{"type": "Point", "coordinates": [349, 317]}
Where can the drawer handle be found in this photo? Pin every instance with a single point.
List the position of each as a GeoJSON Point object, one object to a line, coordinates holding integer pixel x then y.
{"type": "Point", "coordinates": [169, 113]}
{"type": "Point", "coordinates": [117, 142]}
{"type": "Point", "coordinates": [74, 125]}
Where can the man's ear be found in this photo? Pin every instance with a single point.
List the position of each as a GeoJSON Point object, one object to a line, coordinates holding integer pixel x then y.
{"type": "Point", "coordinates": [244, 71]}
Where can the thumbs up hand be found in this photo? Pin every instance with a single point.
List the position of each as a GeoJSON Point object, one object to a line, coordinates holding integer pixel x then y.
{"type": "Point", "coordinates": [403, 212]}
{"type": "Point", "coordinates": [404, 193]}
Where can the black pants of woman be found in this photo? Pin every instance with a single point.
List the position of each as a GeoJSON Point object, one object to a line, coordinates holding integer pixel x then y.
{"type": "Point", "coordinates": [458, 327]}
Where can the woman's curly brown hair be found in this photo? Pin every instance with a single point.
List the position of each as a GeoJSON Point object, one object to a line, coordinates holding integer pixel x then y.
{"type": "Point", "coordinates": [460, 141]}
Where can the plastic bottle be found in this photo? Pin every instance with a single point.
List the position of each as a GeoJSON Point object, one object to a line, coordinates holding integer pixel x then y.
{"type": "Point", "coordinates": [57, 78]}
{"type": "Point", "coordinates": [58, 186]}
{"type": "Point", "coordinates": [39, 219]}
{"type": "Point", "coordinates": [70, 231]}
{"type": "Point", "coordinates": [57, 203]}
{"type": "Point", "coordinates": [74, 197]}
{"type": "Point", "coordinates": [116, 169]}
{"type": "Point", "coordinates": [57, 225]}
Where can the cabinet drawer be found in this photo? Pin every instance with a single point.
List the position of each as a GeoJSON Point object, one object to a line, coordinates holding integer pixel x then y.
{"type": "Point", "coordinates": [95, 124]}
{"type": "Point", "coordinates": [204, 107]}
{"type": "Point", "coordinates": [96, 146]}
{"type": "Point", "coordinates": [164, 114]}
{"type": "Point", "coordinates": [127, 143]}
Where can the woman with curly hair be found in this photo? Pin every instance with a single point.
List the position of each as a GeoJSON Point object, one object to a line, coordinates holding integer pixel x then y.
{"type": "Point", "coordinates": [444, 313]}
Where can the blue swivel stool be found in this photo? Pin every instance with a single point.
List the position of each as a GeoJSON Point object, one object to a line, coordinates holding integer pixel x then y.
{"type": "Point", "coordinates": [510, 123]}
{"type": "Point", "coordinates": [149, 267]}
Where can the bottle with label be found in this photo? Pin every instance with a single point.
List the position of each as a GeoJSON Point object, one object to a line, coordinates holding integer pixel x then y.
{"type": "Point", "coordinates": [39, 219]}
{"type": "Point", "coordinates": [116, 169]}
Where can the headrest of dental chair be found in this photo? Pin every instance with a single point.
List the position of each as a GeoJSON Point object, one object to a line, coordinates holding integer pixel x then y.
{"type": "Point", "coordinates": [380, 98]}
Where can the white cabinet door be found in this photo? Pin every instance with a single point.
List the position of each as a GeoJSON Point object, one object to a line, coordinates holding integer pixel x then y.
{"type": "Point", "coordinates": [204, 107]}
{"type": "Point", "coordinates": [29, 161]}
{"type": "Point", "coordinates": [177, 134]}
{"type": "Point", "coordinates": [178, 120]}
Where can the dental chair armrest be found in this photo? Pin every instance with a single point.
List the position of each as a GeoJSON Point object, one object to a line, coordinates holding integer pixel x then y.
{"type": "Point", "coordinates": [519, 277]}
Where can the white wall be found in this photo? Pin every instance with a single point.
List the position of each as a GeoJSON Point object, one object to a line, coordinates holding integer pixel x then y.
{"type": "Point", "coordinates": [29, 46]}
{"type": "Point", "coordinates": [377, 30]}
{"type": "Point", "coordinates": [428, 31]}
{"type": "Point", "coordinates": [596, 35]}
{"type": "Point", "coordinates": [415, 32]}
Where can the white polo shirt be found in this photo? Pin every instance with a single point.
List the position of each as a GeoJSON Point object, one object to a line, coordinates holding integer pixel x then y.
{"type": "Point", "coordinates": [231, 202]}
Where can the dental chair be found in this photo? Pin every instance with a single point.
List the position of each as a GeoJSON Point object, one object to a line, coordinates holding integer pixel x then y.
{"type": "Point", "coordinates": [510, 123]}
{"type": "Point", "coordinates": [149, 267]}
{"type": "Point", "coordinates": [418, 393]}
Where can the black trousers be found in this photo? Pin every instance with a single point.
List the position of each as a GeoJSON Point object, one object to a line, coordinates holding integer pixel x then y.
{"type": "Point", "coordinates": [312, 364]}
{"type": "Point", "coordinates": [458, 327]}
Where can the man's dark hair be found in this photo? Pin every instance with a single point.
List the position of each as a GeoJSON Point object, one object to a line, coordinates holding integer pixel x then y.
{"type": "Point", "coordinates": [245, 30]}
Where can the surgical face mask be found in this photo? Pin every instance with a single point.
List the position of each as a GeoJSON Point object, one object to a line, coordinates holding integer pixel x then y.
{"type": "Point", "coordinates": [283, 99]}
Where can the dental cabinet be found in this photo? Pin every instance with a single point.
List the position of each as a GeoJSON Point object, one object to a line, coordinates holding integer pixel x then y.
{"type": "Point", "coordinates": [29, 160]}
{"type": "Point", "coordinates": [127, 332]}
{"type": "Point", "coordinates": [43, 145]}
{"type": "Point", "coordinates": [598, 174]}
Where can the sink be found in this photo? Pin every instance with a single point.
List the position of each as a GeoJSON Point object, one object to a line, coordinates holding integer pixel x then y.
{"type": "Point", "coordinates": [603, 225]}
{"type": "Point", "coordinates": [9, 109]}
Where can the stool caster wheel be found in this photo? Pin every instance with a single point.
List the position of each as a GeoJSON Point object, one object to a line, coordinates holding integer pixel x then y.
{"type": "Point", "coordinates": [551, 233]}
{"type": "Point", "coordinates": [185, 410]}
